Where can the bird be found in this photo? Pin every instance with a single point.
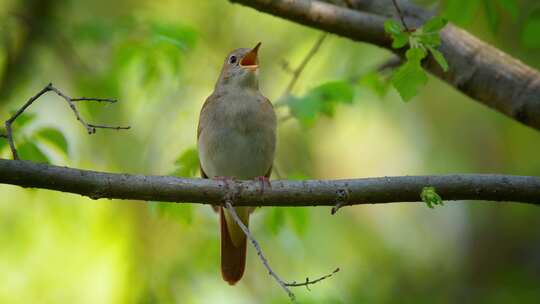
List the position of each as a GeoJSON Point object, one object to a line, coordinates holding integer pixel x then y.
{"type": "Point", "coordinates": [236, 139]}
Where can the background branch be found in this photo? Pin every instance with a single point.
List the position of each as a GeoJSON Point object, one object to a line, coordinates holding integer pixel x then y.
{"type": "Point", "coordinates": [476, 68]}
{"type": "Point", "coordinates": [489, 187]}
{"type": "Point", "coordinates": [90, 128]}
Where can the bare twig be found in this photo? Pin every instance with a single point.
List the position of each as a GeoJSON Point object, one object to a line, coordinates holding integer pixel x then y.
{"type": "Point", "coordinates": [257, 247]}
{"type": "Point", "coordinates": [308, 282]}
{"type": "Point", "coordinates": [90, 128]}
{"type": "Point", "coordinates": [400, 15]}
{"type": "Point", "coordinates": [298, 71]}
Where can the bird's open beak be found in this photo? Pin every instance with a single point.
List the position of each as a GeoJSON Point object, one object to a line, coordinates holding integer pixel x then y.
{"type": "Point", "coordinates": [249, 61]}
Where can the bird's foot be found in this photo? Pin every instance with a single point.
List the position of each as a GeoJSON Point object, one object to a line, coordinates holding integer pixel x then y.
{"type": "Point", "coordinates": [265, 182]}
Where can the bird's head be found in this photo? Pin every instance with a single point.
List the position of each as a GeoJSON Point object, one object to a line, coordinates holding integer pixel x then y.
{"type": "Point", "coordinates": [241, 69]}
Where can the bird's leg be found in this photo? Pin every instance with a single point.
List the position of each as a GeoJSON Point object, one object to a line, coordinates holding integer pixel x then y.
{"type": "Point", "coordinates": [265, 181]}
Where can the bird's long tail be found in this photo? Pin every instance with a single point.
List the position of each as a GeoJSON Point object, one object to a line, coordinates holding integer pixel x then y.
{"type": "Point", "coordinates": [233, 244]}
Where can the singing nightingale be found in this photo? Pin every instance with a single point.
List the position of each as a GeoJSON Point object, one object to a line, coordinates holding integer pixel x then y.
{"type": "Point", "coordinates": [236, 139]}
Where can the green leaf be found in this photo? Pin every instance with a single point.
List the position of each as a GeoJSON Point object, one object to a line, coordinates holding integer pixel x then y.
{"type": "Point", "coordinates": [439, 58]}
{"type": "Point", "coordinates": [510, 6]}
{"type": "Point", "coordinates": [300, 218]}
{"type": "Point", "coordinates": [375, 82]}
{"type": "Point", "coordinates": [275, 219]}
{"type": "Point", "coordinates": [320, 100]}
{"type": "Point", "coordinates": [530, 36]}
{"type": "Point", "coordinates": [434, 25]}
{"type": "Point", "coordinates": [492, 15]}
{"type": "Point", "coordinates": [187, 164]}
{"type": "Point", "coordinates": [392, 27]}
{"type": "Point", "coordinates": [430, 197]}
{"type": "Point", "coordinates": [400, 38]}
{"type": "Point", "coordinates": [55, 137]}
{"type": "Point", "coordinates": [30, 151]}
{"type": "Point", "coordinates": [415, 54]}
{"type": "Point", "coordinates": [410, 76]}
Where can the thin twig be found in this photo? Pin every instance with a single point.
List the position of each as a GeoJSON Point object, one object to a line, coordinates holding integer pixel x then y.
{"type": "Point", "coordinates": [298, 71]}
{"type": "Point", "coordinates": [400, 15]}
{"type": "Point", "coordinates": [90, 128]}
{"type": "Point", "coordinates": [255, 244]}
{"type": "Point", "coordinates": [111, 100]}
{"type": "Point", "coordinates": [308, 282]}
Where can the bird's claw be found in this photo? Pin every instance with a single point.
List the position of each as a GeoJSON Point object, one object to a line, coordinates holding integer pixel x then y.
{"type": "Point", "coordinates": [265, 181]}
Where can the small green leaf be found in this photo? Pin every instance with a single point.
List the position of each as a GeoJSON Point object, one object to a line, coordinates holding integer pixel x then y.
{"type": "Point", "coordinates": [392, 27]}
{"type": "Point", "coordinates": [400, 40]}
{"type": "Point", "coordinates": [399, 37]}
{"type": "Point", "coordinates": [375, 82]}
{"type": "Point", "coordinates": [439, 58]}
{"type": "Point", "coordinates": [300, 218]}
{"type": "Point", "coordinates": [30, 151]}
{"type": "Point", "coordinates": [55, 137]}
{"type": "Point", "coordinates": [510, 6]}
{"type": "Point", "coordinates": [187, 164]}
{"type": "Point", "coordinates": [434, 25]}
{"type": "Point", "coordinates": [430, 197]}
{"type": "Point", "coordinates": [320, 100]}
{"type": "Point", "coordinates": [415, 54]}
{"type": "Point", "coordinates": [408, 79]}
{"type": "Point", "coordinates": [530, 36]}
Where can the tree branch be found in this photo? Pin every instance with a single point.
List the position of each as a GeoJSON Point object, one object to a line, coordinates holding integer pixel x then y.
{"type": "Point", "coordinates": [90, 128]}
{"type": "Point", "coordinates": [96, 185]}
{"type": "Point", "coordinates": [476, 68]}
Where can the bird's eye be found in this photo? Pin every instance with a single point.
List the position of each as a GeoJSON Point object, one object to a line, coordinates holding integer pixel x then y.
{"type": "Point", "coordinates": [232, 59]}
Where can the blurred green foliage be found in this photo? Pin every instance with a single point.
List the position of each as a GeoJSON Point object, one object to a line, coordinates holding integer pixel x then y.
{"type": "Point", "coordinates": [161, 60]}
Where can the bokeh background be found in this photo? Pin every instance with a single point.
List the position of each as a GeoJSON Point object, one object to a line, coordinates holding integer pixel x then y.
{"type": "Point", "coordinates": [161, 59]}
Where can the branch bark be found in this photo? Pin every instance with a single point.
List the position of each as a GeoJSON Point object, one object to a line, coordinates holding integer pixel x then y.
{"type": "Point", "coordinates": [477, 69]}
{"type": "Point", "coordinates": [96, 185]}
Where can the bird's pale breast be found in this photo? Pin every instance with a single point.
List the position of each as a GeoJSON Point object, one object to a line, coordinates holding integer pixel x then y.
{"type": "Point", "coordinates": [238, 136]}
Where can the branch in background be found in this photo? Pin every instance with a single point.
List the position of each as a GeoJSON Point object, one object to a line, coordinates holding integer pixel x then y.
{"type": "Point", "coordinates": [90, 128]}
{"type": "Point", "coordinates": [376, 190]}
{"type": "Point", "coordinates": [298, 71]}
{"type": "Point", "coordinates": [476, 68]}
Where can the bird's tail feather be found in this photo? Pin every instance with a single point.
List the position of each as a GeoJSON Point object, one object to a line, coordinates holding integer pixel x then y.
{"type": "Point", "coordinates": [233, 256]}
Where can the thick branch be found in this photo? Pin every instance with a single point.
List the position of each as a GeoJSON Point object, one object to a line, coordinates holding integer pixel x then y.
{"type": "Point", "coordinates": [97, 185]}
{"type": "Point", "coordinates": [476, 68]}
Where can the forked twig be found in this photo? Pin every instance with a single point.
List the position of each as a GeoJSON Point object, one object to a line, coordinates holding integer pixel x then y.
{"type": "Point", "coordinates": [298, 71]}
{"type": "Point", "coordinates": [90, 128]}
{"type": "Point", "coordinates": [255, 244]}
{"type": "Point", "coordinates": [284, 285]}
{"type": "Point", "coordinates": [308, 282]}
